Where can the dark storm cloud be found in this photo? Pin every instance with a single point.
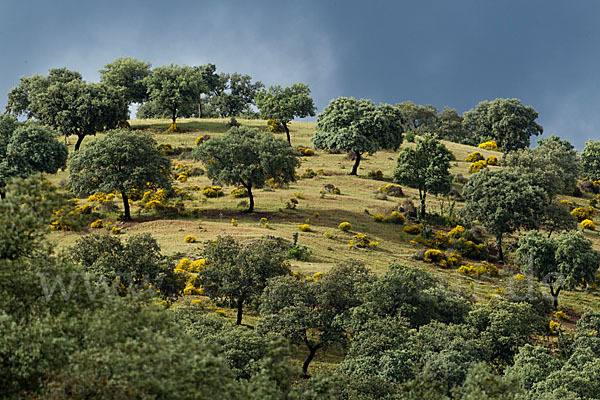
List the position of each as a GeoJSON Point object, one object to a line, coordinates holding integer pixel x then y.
{"type": "Point", "coordinates": [431, 52]}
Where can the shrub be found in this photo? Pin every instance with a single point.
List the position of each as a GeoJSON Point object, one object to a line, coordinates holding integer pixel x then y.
{"type": "Point", "coordinates": [378, 218]}
{"type": "Point", "coordinates": [212, 191]}
{"type": "Point", "coordinates": [361, 241]}
{"type": "Point", "coordinates": [96, 224]}
{"type": "Point", "coordinates": [553, 326]}
{"type": "Point", "coordinates": [275, 126]}
{"type": "Point", "coordinates": [291, 203]}
{"type": "Point", "coordinates": [581, 213]}
{"type": "Point", "coordinates": [189, 239]}
{"type": "Point", "coordinates": [391, 190]}
{"type": "Point", "coordinates": [396, 218]}
{"type": "Point", "coordinates": [456, 232]}
{"type": "Point", "coordinates": [330, 188]}
{"type": "Point", "coordinates": [304, 228]}
{"type": "Point", "coordinates": [239, 192]}
{"type": "Point", "coordinates": [234, 222]}
{"type": "Point", "coordinates": [328, 235]}
{"type": "Point", "coordinates": [588, 224]}
{"type": "Point", "coordinates": [173, 127]}
{"type": "Point", "coordinates": [567, 203]}
{"type": "Point", "coordinates": [308, 173]}
{"type": "Point", "coordinates": [305, 151]}
{"type": "Point", "coordinates": [115, 230]}
{"type": "Point", "coordinates": [300, 253]}
{"type": "Point", "coordinates": [434, 256]}
{"type": "Point", "coordinates": [561, 315]}
{"type": "Point", "coordinates": [492, 160]}
{"type": "Point", "coordinates": [345, 226]}
{"type": "Point", "coordinates": [376, 174]}
{"type": "Point", "coordinates": [477, 166]}
{"type": "Point", "coordinates": [489, 145]}
{"type": "Point", "coordinates": [166, 149]}
{"type": "Point", "coordinates": [412, 229]}
{"type": "Point", "coordinates": [409, 136]}
{"type": "Point", "coordinates": [474, 157]}
{"type": "Point", "coordinates": [201, 139]}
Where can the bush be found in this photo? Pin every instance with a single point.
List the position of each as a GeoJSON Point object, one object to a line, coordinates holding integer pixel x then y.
{"type": "Point", "coordinates": [308, 173]}
{"type": "Point", "coordinates": [434, 256]}
{"type": "Point", "coordinates": [305, 151]}
{"type": "Point", "coordinates": [391, 190]}
{"type": "Point", "coordinates": [212, 191]}
{"type": "Point", "coordinates": [345, 226]}
{"type": "Point", "coordinates": [489, 145]}
{"type": "Point", "coordinates": [492, 160]}
{"type": "Point", "coordinates": [328, 235]}
{"type": "Point", "coordinates": [409, 136]}
{"type": "Point", "coordinates": [581, 213]}
{"type": "Point", "coordinates": [300, 253]}
{"type": "Point", "coordinates": [96, 224]}
{"type": "Point", "coordinates": [412, 229]}
{"type": "Point", "coordinates": [474, 157]}
{"type": "Point", "coordinates": [115, 230]}
{"type": "Point", "coordinates": [376, 174]}
{"type": "Point", "coordinates": [239, 192]}
{"type": "Point", "coordinates": [275, 126]}
{"type": "Point", "coordinates": [477, 166]}
{"type": "Point", "coordinates": [173, 127]}
{"type": "Point", "coordinates": [304, 228]}
{"type": "Point", "coordinates": [189, 239]}
{"type": "Point", "coordinates": [361, 241]}
{"type": "Point", "coordinates": [378, 218]}
{"type": "Point", "coordinates": [588, 224]}
{"type": "Point", "coordinates": [330, 188]}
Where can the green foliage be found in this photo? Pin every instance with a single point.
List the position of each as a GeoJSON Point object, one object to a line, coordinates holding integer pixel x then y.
{"type": "Point", "coordinates": [136, 263]}
{"type": "Point", "coordinates": [26, 149]}
{"type": "Point", "coordinates": [310, 311]}
{"type": "Point", "coordinates": [240, 273]}
{"type": "Point", "coordinates": [120, 161]}
{"type": "Point", "coordinates": [234, 95]}
{"type": "Point", "coordinates": [68, 104]}
{"type": "Point", "coordinates": [590, 159]}
{"type": "Point", "coordinates": [127, 73]}
{"type": "Point", "coordinates": [418, 119]}
{"type": "Point", "coordinates": [425, 167]}
{"type": "Point", "coordinates": [576, 260]}
{"type": "Point", "coordinates": [358, 126]}
{"type": "Point", "coordinates": [482, 384]}
{"type": "Point", "coordinates": [503, 201]}
{"type": "Point", "coordinates": [557, 217]}
{"type": "Point", "coordinates": [450, 127]}
{"type": "Point", "coordinates": [246, 157]}
{"type": "Point", "coordinates": [414, 294]}
{"type": "Point", "coordinates": [285, 104]}
{"type": "Point", "coordinates": [507, 121]}
{"type": "Point", "coordinates": [533, 364]}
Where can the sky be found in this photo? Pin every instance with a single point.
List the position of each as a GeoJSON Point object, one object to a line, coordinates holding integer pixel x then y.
{"type": "Point", "coordinates": [445, 53]}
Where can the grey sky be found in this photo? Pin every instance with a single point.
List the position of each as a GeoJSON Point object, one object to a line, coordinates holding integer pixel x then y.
{"type": "Point", "coordinates": [445, 53]}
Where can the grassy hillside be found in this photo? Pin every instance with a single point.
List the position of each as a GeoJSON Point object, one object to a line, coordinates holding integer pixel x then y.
{"type": "Point", "coordinates": [356, 204]}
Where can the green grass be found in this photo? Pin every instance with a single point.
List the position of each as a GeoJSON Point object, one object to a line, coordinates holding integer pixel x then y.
{"type": "Point", "coordinates": [356, 204]}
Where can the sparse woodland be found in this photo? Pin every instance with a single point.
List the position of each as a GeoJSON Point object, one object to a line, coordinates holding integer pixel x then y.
{"type": "Point", "coordinates": [218, 248]}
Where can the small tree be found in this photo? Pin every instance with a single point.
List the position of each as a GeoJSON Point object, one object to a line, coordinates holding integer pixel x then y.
{"type": "Point", "coordinates": [285, 104]}
{"type": "Point", "coordinates": [68, 104]}
{"type": "Point", "coordinates": [136, 263]}
{"type": "Point", "coordinates": [347, 124]}
{"type": "Point", "coordinates": [503, 201]}
{"type": "Point", "coordinates": [120, 161]}
{"type": "Point", "coordinates": [507, 121]}
{"type": "Point", "coordinates": [26, 149]}
{"type": "Point", "coordinates": [567, 261]}
{"type": "Point", "coordinates": [235, 95]}
{"type": "Point", "coordinates": [425, 167]}
{"type": "Point", "coordinates": [240, 273]}
{"type": "Point", "coordinates": [127, 73]}
{"type": "Point", "coordinates": [450, 126]}
{"type": "Point", "coordinates": [246, 157]}
{"type": "Point", "coordinates": [419, 119]}
{"type": "Point", "coordinates": [590, 159]}
{"type": "Point", "coordinates": [309, 311]}
{"type": "Point", "coordinates": [170, 88]}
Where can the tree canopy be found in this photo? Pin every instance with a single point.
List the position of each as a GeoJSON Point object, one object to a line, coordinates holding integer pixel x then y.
{"type": "Point", "coordinates": [590, 159]}
{"type": "Point", "coordinates": [247, 157]}
{"type": "Point", "coordinates": [68, 104]}
{"type": "Point", "coordinates": [235, 95]}
{"type": "Point", "coordinates": [128, 73]}
{"type": "Point", "coordinates": [26, 149]}
{"type": "Point", "coordinates": [120, 161]}
{"type": "Point", "coordinates": [418, 118]}
{"type": "Point", "coordinates": [348, 124]}
{"type": "Point", "coordinates": [239, 273]}
{"type": "Point", "coordinates": [425, 167]}
{"type": "Point", "coordinates": [503, 201]}
{"type": "Point", "coordinates": [507, 121]}
{"type": "Point", "coordinates": [285, 104]}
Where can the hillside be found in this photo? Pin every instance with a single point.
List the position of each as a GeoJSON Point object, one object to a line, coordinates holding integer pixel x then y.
{"type": "Point", "coordinates": [357, 203]}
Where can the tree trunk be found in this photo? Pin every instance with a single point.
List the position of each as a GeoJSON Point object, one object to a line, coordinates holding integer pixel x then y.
{"type": "Point", "coordinates": [311, 355]}
{"type": "Point", "coordinates": [422, 196]}
{"type": "Point", "coordinates": [199, 108]}
{"type": "Point", "coordinates": [355, 166]}
{"type": "Point", "coordinates": [79, 140]}
{"type": "Point", "coordinates": [2, 194]}
{"type": "Point", "coordinates": [554, 296]}
{"type": "Point", "coordinates": [126, 206]}
{"type": "Point", "coordinates": [499, 245]}
{"type": "Point", "coordinates": [287, 132]}
{"type": "Point", "coordinates": [240, 304]}
{"type": "Point", "coordinates": [174, 113]}
{"type": "Point", "coordinates": [251, 197]}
